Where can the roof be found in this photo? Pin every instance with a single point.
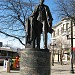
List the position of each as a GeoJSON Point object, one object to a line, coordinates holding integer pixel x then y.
{"type": "Point", "coordinates": [59, 23]}
{"type": "Point", "coordinates": [7, 49]}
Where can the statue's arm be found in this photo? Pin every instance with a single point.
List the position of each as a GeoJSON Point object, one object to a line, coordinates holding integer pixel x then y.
{"type": "Point", "coordinates": [50, 19]}
{"type": "Point", "coordinates": [49, 14]}
{"type": "Point", "coordinates": [35, 12]}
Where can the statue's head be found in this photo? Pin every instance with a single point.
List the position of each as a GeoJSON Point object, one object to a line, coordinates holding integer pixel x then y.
{"type": "Point", "coordinates": [41, 1]}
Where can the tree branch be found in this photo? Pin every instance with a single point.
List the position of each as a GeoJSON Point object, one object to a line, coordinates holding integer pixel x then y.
{"type": "Point", "coordinates": [13, 37]}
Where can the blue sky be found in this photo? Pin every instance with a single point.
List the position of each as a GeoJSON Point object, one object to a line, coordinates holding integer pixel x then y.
{"type": "Point", "coordinates": [52, 6]}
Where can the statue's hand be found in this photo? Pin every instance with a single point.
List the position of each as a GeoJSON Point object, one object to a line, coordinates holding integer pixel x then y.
{"type": "Point", "coordinates": [50, 23]}
{"type": "Point", "coordinates": [31, 15]}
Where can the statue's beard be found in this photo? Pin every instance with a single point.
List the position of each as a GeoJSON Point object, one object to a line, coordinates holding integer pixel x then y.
{"type": "Point", "coordinates": [41, 3]}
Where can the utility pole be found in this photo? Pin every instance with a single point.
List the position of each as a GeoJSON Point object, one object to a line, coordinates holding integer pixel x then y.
{"type": "Point", "coordinates": [72, 70]}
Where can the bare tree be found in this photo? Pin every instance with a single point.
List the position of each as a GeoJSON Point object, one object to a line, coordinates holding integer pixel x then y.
{"type": "Point", "coordinates": [62, 45]}
{"type": "Point", "coordinates": [12, 17]}
{"type": "Point", "coordinates": [66, 8]}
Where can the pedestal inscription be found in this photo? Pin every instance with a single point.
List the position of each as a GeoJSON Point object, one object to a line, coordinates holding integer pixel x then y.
{"type": "Point", "coordinates": [35, 62]}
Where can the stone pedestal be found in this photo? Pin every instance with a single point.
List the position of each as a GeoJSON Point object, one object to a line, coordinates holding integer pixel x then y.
{"type": "Point", "coordinates": [35, 62]}
{"type": "Point", "coordinates": [8, 66]}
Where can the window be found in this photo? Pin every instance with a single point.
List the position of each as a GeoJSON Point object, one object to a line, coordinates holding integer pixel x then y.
{"type": "Point", "coordinates": [62, 28]}
{"type": "Point", "coordinates": [54, 34]}
{"type": "Point", "coordinates": [67, 26]}
{"type": "Point", "coordinates": [58, 32]}
{"type": "Point", "coordinates": [74, 33]}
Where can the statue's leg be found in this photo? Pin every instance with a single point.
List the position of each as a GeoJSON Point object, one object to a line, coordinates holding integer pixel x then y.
{"type": "Point", "coordinates": [33, 43]}
{"type": "Point", "coordinates": [38, 41]}
{"type": "Point", "coordinates": [45, 34]}
{"type": "Point", "coordinates": [33, 36]}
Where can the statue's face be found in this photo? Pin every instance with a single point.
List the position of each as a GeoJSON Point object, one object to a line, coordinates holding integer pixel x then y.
{"type": "Point", "coordinates": [41, 1]}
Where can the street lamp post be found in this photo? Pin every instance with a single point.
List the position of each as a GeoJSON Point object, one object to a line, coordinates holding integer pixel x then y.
{"type": "Point", "coordinates": [53, 54]}
{"type": "Point", "coordinates": [72, 70]}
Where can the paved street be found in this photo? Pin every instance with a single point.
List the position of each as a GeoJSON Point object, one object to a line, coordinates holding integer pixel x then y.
{"type": "Point", "coordinates": [61, 69]}
{"type": "Point", "coordinates": [57, 69]}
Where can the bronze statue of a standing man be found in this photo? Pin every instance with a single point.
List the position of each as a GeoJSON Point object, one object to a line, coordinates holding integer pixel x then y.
{"type": "Point", "coordinates": [43, 14]}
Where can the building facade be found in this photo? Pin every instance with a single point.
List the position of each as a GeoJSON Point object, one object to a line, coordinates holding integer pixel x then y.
{"type": "Point", "coordinates": [59, 37]}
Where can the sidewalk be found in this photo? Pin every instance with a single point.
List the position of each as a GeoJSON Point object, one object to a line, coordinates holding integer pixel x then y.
{"type": "Point", "coordinates": [58, 69]}
{"type": "Point", "coordinates": [12, 72]}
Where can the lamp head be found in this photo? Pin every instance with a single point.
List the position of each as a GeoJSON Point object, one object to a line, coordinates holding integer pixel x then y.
{"type": "Point", "coordinates": [67, 36]}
